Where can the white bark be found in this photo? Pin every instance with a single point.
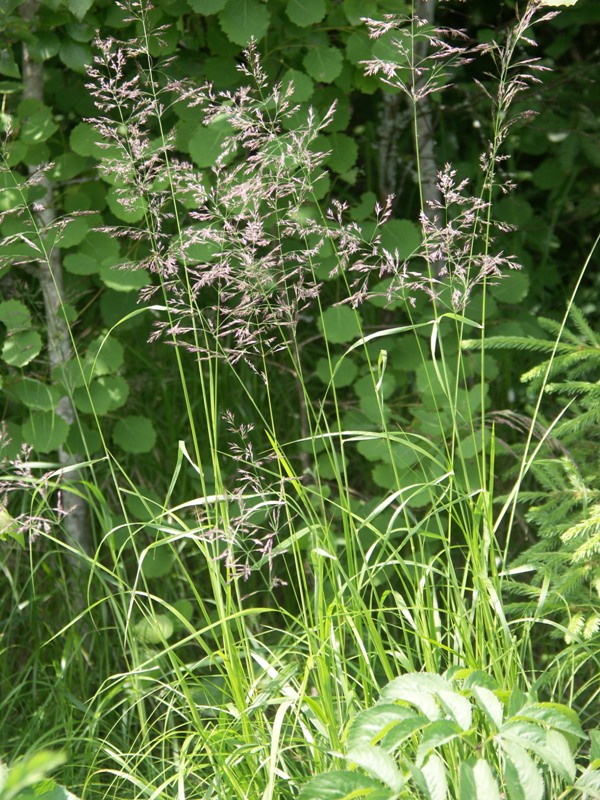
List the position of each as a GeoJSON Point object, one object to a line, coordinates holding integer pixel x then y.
{"type": "Point", "coordinates": [50, 275]}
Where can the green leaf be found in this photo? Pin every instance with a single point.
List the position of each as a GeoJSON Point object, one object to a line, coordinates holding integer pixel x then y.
{"type": "Point", "coordinates": [105, 355]}
{"type": "Point", "coordinates": [29, 771]}
{"type": "Point", "coordinates": [207, 6]}
{"type": "Point", "coordinates": [433, 773]}
{"type": "Point", "coordinates": [438, 733]}
{"type": "Point", "coordinates": [323, 64]}
{"type": "Point", "coordinates": [338, 785]}
{"type": "Point", "coordinates": [76, 56]}
{"type": "Point", "coordinates": [35, 394]}
{"type": "Point", "coordinates": [554, 3]}
{"type": "Point", "coordinates": [243, 20]}
{"type": "Point", "coordinates": [370, 725]}
{"type": "Point", "coordinates": [344, 373]}
{"type": "Point", "coordinates": [342, 151]}
{"type": "Point", "coordinates": [21, 348]}
{"type": "Point", "coordinates": [134, 434]}
{"type": "Point", "coordinates": [124, 279]}
{"type": "Point", "coordinates": [80, 7]}
{"type": "Point", "coordinates": [37, 123]}
{"type": "Point", "coordinates": [45, 431]}
{"type": "Point", "coordinates": [44, 45]}
{"type": "Point", "coordinates": [9, 529]}
{"type": "Point", "coordinates": [340, 324]}
{"type": "Point", "coordinates": [550, 746]}
{"type": "Point", "coordinates": [15, 315]}
{"type": "Point", "coordinates": [379, 764]}
{"type": "Point", "coordinates": [85, 140]}
{"type": "Point", "coordinates": [126, 205]}
{"type": "Point", "coordinates": [477, 781]}
{"type": "Point", "coordinates": [303, 86]}
{"type": "Point", "coordinates": [157, 562]}
{"type": "Point", "coordinates": [306, 12]}
{"type": "Point", "coordinates": [522, 778]}
{"type": "Point", "coordinates": [81, 264]}
{"type": "Point", "coordinates": [400, 236]}
{"type": "Point", "coordinates": [154, 631]}
{"type": "Point", "coordinates": [74, 231]}
{"type": "Point", "coordinates": [8, 65]}
{"type": "Point", "coordinates": [206, 144]}
{"type": "Point", "coordinates": [489, 704]}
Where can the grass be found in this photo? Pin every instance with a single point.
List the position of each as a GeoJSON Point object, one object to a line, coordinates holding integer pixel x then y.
{"type": "Point", "coordinates": [240, 611]}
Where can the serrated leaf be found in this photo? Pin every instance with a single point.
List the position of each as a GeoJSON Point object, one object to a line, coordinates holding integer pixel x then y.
{"type": "Point", "coordinates": [135, 434]}
{"type": "Point", "coordinates": [589, 784]}
{"type": "Point", "coordinates": [400, 236]}
{"type": "Point", "coordinates": [436, 734]}
{"type": "Point", "coordinates": [458, 707]}
{"type": "Point", "coordinates": [85, 140]}
{"type": "Point", "coordinates": [37, 123]}
{"type": "Point", "coordinates": [378, 764]}
{"type": "Point", "coordinates": [302, 86]}
{"type": "Point", "coordinates": [306, 12]}
{"type": "Point", "coordinates": [489, 704]}
{"type": "Point", "coordinates": [125, 205]}
{"type": "Point", "coordinates": [74, 231]}
{"type": "Point", "coordinates": [434, 777]}
{"type": "Point", "coordinates": [477, 781]}
{"type": "Point", "coordinates": [124, 279]}
{"type": "Point", "coordinates": [369, 726]}
{"type": "Point", "coordinates": [550, 747]}
{"type": "Point", "coordinates": [244, 20]}
{"type": "Point", "coordinates": [8, 65]}
{"type": "Point", "coordinates": [522, 778]}
{"type": "Point", "coordinates": [21, 348]}
{"type": "Point", "coordinates": [323, 64]}
{"type": "Point", "coordinates": [81, 264]}
{"type": "Point", "coordinates": [45, 431]}
{"type": "Point", "coordinates": [338, 785]}
{"type": "Point", "coordinates": [76, 56]}
{"type": "Point", "coordinates": [556, 715]}
{"type": "Point", "coordinates": [15, 315]}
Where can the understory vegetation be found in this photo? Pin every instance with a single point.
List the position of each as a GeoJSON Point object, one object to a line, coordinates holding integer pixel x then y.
{"type": "Point", "coordinates": [300, 352]}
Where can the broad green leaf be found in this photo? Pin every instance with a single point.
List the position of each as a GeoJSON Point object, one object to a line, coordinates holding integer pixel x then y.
{"type": "Point", "coordinates": [45, 431]}
{"type": "Point", "coordinates": [81, 264]}
{"type": "Point", "coordinates": [101, 246]}
{"type": "Point", "coordinates": [378, 764]}
{"type": "Point", "coordinates": [458, 707]}
{"type": "Point", "coordinates": [35, 394]}
{"type": "Point", "coordinates": [369, 726]}
{"type": "Point", "coordinates": [207, 6]}
{"type": "Point", "coordinates": [67, 166]}
{"type": "Point", "coordinates": [80, 7]}
{"type": "Point", "coordinates": [306, 12]}
{"type": "Point", "coordinates": [8, 65]}
{"type": "Point", "coordinates": [154, 631]}
{"type": "Point", "coordinates": [105, 355]}
{"type": "Point", "coordinates": [37, 123]}
{"type": "Point", "coordinates": [522, 778]}
{"type": "Point", "coordinates": [589, 784]}
{"type": "Point", "coordinates": [435, 735]}
{"type": "Point", "coordinates": [555, 715]}
{"type": "Point", "coordinates": [550, 746]}
{"type": "Point", "coordinates": [85, 140]}
{"type": "Point", "coordinates": [400, 236]}
{"type": "Point", "coordinates": [30, 770]}
{"type": "Point", "coordinates": [77, 56]}
{"type": "Point", "coordinates": [340, 324]}
{"type": "Point", "coordinates": [414, 682]}
{"type": "Point", "coordinates": [344, 372]}
{"type": "Point", "coordinates": [122, 278]}
{"type": "Point", "coordinates": [342, 151]}
{"type": "Point", "coordinates": [134, 434]}
{"type": "Point", "coordinates": [303, 86]}
{"type": "Point", "coordinates": [206, 144]}
{"type": "Point", "coordinates": [357, 10]}
{"type": "Point", "coordinates": [477, 781]}
{"type": "Point", "coordinates": [15, 315]}
{"type": "Point", "coordinates": [434, 778]}
{"type": "Point", "coordinates": [44, 45]}
{"type": "Point", "coordinates": [126, 205]}
{"type": "Point", "coordinates": [93, 399]}
{"type": "Point", "coordinates": [398, 734]}
{"type": "Point", "coordinates": [157, 562]}
{"type": "Point", "coordinates": [21, 348]}
{"type": "Point", "coordinates": [489, 704]}
{"type": "Point", "coordinates": [244, 20]}
{"type": "Point", "coordinates": [323, 64]}
{"type": "Point", "coordinates": [75, 230]}
{"type": "Point", "coordinates": [554, 3]}
{"type": "Point", "coordinates": [338, 785]}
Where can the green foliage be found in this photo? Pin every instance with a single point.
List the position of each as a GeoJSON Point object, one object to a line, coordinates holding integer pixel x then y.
{"type": "Point", "coordinates": [459, 736]}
